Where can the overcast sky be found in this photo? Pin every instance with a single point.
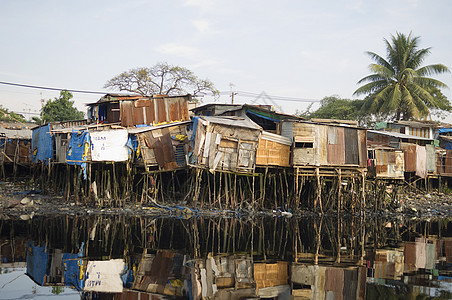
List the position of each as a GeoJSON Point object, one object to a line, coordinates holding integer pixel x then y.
{"type": "Point", "coordinates": [299, 49]}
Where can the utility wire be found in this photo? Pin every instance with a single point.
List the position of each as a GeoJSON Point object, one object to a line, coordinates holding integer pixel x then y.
{"type": "Point", "coordinates": [49, 88]}
{"type": "Point", "coordinates": [272, 97]}
{"type": "Point", "coordinates": [239, 93]}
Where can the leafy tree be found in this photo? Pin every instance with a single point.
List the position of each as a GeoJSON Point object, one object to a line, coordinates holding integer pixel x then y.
{"type": "Point", "coordinates": [400, 88]}
{"type": "Point", "coordinates": [161, 79]}
{"type": "Point", "coordinates": [61, 109]}
{"type": "Point", "coordinates": [9, 116]}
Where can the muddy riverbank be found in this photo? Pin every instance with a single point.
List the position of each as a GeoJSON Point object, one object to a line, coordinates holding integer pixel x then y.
{"type": "Point", "coordinates": [23, 200]}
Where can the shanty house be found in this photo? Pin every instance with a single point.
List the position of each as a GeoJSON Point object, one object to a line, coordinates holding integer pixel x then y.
{"type": "Point", "coordinates": [164, 146]}
{"type": "Point", "coordinates": [419, 152]}
{"type": "Point", "coordinates": [132, 110]}
{"type": "Point", "coordinates": [263, 115]}
{"type": "Point", "coordinates": [413, 128]}
{"type": "Point", "coordinates": [15, 144]}
{"type": "Point", "coordinates": [326, 145]}
{"type": "Point", "coordinates": [225, 143]}
{"type": "Point", "coordinates": [385, 162]}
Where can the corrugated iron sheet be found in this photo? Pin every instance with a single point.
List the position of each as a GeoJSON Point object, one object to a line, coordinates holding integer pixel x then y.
{"type": "Point", "coordinates": [409, 151]}
{"type": "Point", "coordinates": [351, 146]}
{"type": "Point", "coordinates": [158, 147]}
{"type": "Point", "coordinates": [153, 111]}
{"type": "Point", "coordinates": [336, 152]}
{"type": "Point", "coordinates": [448, 162]}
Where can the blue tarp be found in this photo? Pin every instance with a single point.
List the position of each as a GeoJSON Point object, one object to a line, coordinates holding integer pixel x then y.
{"type": "Point", "coordinates": [42, 144]}
{"type": "Point", "coordinates": [262, 116]}
{"type": "Point", "coordinates": [37, 258]}
{"type": "Point", "coordinates": [445, 130]}
{"type": "Point", "coordinates": [72, 268]}
{"type": "Point", "coordinates": [132, 145]}
{"type": "Point", "coordinates": [78, 147]}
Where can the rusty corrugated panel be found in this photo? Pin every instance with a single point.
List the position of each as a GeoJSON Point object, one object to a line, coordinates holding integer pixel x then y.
{"type": "Point", "coordinates": [382, 169]}
{"type": "Point", "coordinates": [448, 162]}
{"type": "Point", "coordinates": [336, 152]}
{"type": "Point", "coordinates": [138, 115]}
{"type": "Point", "coordinates": [127, 113]}
{"type": "Point", "coordinates": [150, 112]}
{"type": "Point", "coordinates": [390, 157]}
{"type": "Point", "coordinates": [409, 151]}
{"type": "Point", "coordinates": [351, 146]}
{"type": "Point", "coordinates": [173, 109]}
{"type": "Point", "coordinates": [362, 138]}
{"type": "Point", "coordinates": [183, 109]}
{"type": "Point", "coordinates": [161, 110]}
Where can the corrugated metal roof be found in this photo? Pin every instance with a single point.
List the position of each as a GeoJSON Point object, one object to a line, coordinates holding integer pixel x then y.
{"type": "Point", "coordinates": [132, 97]}
{"type": "Point", "coordinates": [399, 135]}
{"type": "Point", "coordinates": [335, 121]}
{"type": "Point", "coordinates": [276, 138]}
{"type": "Point", "coordinates": [16, 133]}
{"type": "Point", "coordinates": [135, 130]}
{"type": "Point", "coordinates": [417, 124]}
{"type": "Point", "coordinates": [233, 121]}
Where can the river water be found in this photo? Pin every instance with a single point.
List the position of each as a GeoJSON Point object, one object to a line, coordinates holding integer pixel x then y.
{"type": "Point", "coordinates": [123, 257]}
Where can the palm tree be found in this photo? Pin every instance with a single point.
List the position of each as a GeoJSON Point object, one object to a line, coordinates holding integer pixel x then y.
{"type": "Point", "coordinates": [399, 87]}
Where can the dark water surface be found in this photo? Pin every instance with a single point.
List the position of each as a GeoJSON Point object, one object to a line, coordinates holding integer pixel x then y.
{"type": "Point", "coordinates": [120, 257]}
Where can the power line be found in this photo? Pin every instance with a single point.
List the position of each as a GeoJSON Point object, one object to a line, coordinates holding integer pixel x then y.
{"type": "Point", "coordinates": [238, 93]}
{"type": "Point", "coordinates": [50, 88]}
{"type": "Point", "coordinates": [272, 97]}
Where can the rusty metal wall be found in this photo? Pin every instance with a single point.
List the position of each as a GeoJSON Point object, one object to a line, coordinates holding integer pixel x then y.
{"type": "Point", "coordinates": [157, 148]}
{"type": "Point", "coordinates": [153, 111]}
{"type": "Point", "coordinates": [409, 151]}
{"type": "Point", "coordinates": [351, 146]}
{"type": "Point", "coordinates": [448, 162]}
{"type": "Point", "coordinates": [336, 152]}
{"type": "Point", "coordinates": [362, 138]}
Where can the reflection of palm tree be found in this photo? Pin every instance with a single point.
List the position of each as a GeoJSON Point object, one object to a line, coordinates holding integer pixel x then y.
{"type": "Point", "coordinates": [399, 87]}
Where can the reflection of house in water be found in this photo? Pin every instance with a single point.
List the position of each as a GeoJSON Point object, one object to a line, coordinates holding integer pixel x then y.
{"type": "Point", "coordinates": [52, 267]}
{"type": "Point", "coordinates": [325, 282]}
{"type": "Point", "coordinates": [162, 273]}
{"type": "Point", "coordinates": [388, 264]}
{"type": "Point", "coordinates": [13, 253]}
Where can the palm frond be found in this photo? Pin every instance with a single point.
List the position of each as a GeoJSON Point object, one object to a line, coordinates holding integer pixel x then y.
{"type": "Point", "coordinates": [432, 70]}
{"type": "Point", "coordinates": [371, 87]}
{"type": "Point", "coordinates": [429, 82]}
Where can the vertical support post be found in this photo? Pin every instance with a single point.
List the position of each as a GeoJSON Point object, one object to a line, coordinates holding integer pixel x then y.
{"type": "Point", "coordinates": [319, 191]}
